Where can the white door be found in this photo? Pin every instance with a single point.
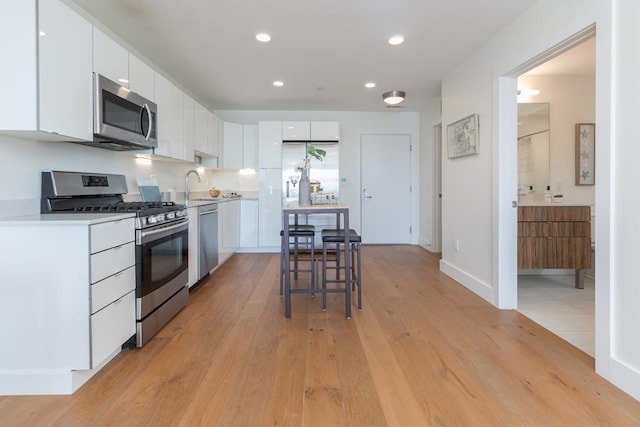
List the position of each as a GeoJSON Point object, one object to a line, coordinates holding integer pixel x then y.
{"type": "Point", "coordinates": [385, 191]}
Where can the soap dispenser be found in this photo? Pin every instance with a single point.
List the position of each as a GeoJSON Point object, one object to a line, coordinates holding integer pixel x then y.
{"type": "Point", "coordinates": [548, 197]}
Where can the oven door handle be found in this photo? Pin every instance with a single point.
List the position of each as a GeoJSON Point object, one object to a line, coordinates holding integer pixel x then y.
{"type": "Point", "coordinates": [147, 235]}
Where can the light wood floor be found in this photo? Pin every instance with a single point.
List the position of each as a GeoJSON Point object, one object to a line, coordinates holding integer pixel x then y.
{"type": "Point", "coordinates": [424, 351]}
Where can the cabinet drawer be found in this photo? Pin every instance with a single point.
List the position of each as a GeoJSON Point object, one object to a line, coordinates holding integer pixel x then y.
{"type": "Point", "coordinates": [570, 229]}
{"type": "Point", "coordinates": [111, 327]}
{"type": "Point", "coordinates": [554, 213]}
{"type": "Point", "coordinates": [109, 262]}
{"type": "Point", "coordinates": [113, 287]}
{"type": "Point", "coordinates": [110, 234]}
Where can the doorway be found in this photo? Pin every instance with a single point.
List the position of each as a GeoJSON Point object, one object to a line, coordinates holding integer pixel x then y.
{"type": "Point", "coordinates": [385, 193]}
{"type": "Point", "coordinates": [565, 86]}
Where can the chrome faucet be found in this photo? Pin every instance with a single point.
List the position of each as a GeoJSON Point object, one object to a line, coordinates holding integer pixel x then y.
{"type": "Point", "coordinates": [187, 192]}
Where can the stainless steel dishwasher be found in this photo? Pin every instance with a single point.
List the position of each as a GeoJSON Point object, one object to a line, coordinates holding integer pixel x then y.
{"type": "Point", "coordinates": [208, 238]}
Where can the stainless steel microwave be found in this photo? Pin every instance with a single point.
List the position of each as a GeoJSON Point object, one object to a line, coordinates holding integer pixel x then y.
{"type": "Point", "coordinates": [122, 119]}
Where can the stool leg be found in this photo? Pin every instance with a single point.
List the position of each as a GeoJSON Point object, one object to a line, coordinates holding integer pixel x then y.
{"type": "Point", "coordinates": [282, 268]}
{"type": "Point", "coordinates": [295, 257]}
{"type": "Point", "coordinates": [312, 260]}
{"type": "Point", "coordinates": [324, 276]}
{"type": "Point", "coordinates": [359, 280]}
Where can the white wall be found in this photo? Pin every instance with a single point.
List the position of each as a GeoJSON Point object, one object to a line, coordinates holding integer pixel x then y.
{"type": "Point", "coordinates": [352, 125]}
{"type": "Point", "coordinates": [571, 100]}
{"type": "Point", "coordinates": [478, 190]}
{"type": "Point", "coordinates": [624, 283]}
{"type": "Point", "coordinates": [22, 161]}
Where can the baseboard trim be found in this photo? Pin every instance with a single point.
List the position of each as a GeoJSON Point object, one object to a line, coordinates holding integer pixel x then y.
{"type": "Point", "coordinates": [468, 281]}
{"type": "Point", "coordinates": [625, 378]}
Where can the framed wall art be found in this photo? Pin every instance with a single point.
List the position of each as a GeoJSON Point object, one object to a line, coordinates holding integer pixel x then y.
{"type": "Point", "coordinates": [585, 154]}
{"type": "Point", "coordinates": [462, 137]}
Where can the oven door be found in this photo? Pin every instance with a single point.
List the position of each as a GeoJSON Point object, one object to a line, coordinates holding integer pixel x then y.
{"type": "Point", "coordinates": [162, 265]}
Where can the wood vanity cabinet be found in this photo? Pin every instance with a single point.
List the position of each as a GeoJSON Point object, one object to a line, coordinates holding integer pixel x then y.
{"type": "Point", "coordinates": [554, 237]}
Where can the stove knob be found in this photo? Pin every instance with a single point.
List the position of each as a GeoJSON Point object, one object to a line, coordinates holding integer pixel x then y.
{"type": "Point", "coordinates": [171, 215]}
{"type": "Point", "coordinates": [160, 217]}
{"type": "Point", "coordinates": [152, 220]}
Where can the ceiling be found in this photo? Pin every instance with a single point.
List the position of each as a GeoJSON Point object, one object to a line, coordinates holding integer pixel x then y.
{"type": "Point", "coordinates": [323, 50]}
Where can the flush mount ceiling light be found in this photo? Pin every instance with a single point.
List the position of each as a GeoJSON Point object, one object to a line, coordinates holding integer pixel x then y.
{"type": "Point", "coordinates": [263, 37]}
{"type": "Point", "coordinates": [394, 97]}
{"type": "Point", "coordinates": [396, 40]}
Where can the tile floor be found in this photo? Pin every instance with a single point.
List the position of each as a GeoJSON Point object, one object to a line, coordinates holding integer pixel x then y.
{"type": "Point", "coordinates": [553, 302]}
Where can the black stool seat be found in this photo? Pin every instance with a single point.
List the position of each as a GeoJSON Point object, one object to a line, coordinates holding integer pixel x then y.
{"type": "Point", "coordinates": [300, 230]}
{"type": "Point", "coordinates": [337, 236]}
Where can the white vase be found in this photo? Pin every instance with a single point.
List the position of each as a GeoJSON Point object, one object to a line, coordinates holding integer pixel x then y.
{"type": "Point", "coordinates": [304, 190]}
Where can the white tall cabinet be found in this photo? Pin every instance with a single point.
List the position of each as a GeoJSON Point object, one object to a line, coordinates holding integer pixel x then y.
{"type": "Point", "coordinates": [46, 71]}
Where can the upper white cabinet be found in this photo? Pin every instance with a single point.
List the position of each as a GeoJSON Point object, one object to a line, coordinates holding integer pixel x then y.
{"type": "Point", "coordinates": [310, 131]}
{"type": "Point", "coordinates": [110, 59]}
{"type": "Point", "coordinates": [296, 131]}
{"type": "Point", "coordinates": [214, 131]}
{"type": "Point", "coordinates": [325, 131]}
{"type": "Point", "coordinates": [189, 128]}
{"type": "Point", "coordinates": [206, 135]}
{"type": "Point", "coordinates": [250, 146]}
{"type": "Point", "coordinates": [231, 145]}
{"type": "Point", "coordinates": [270, 144]}
{"type": "Point", "coordinates": [170, 101]}
{"type": "Point", "coordinates": [47, 71]}
{"type": "Point", "coordinates": [141, 78]}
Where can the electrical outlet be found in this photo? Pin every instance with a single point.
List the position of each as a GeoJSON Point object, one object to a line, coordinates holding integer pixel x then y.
{"type": "Point", "coordinates": [456, 245]}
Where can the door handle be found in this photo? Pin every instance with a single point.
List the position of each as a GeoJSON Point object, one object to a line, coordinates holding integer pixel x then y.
{"type": "Point", "coordinates": [365, 195]}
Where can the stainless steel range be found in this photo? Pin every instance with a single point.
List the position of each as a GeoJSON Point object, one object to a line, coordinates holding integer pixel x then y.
{"type": "Point", "coordinates": [161, 236]}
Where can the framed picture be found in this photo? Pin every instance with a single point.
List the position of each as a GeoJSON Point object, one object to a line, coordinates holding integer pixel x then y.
{"type": "Point", "coordinates": [585, 154]}
{"type": "Point", "coordinates": [462, 137]}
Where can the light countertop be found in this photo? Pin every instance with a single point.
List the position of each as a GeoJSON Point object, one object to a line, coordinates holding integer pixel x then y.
{"type": "Point", "coordinates": [64, 218]}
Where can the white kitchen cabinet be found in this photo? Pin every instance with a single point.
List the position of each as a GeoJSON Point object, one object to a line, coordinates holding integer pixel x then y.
{"type": "Point", "coordinates": [170, 101]}
{"type": "Point", "coordinates": [269, 144]}
{"type": "Point", "coordinates": [296, 131]}
{"type": "Point", "coordinates": [213, 129]}
{"type": "Point", "coordinates": [46, 49]}
{"type": "Point", "coordinates": [232, 145]}
{"type": "Point", "coordinates": [110, 59]}
{"type": "Point", "coordinates": [78, 314]}
{"type": "Point", "coordinates": [141, 78]}
{"type": "Point", "coordinates": [248, 223]}
{"type": "Point", "coordinates": [250, 146]}
{"type": "Point", "coordinates": [228, 229]}
{"type": "Point", "coordinates": [189, 128]}
{"type": "Point", "coordinates": [206, 133]}
{"type": "Point", "coordinates": [201, 133]}
{"type": "Point", "coordinates": [310, 131]}
{"type": "Point", "coordinates": [325, 131]}
{"type": "Point", "coordinates": [270, 208]}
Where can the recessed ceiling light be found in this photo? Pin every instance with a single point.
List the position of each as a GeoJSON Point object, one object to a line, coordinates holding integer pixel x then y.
{"type": "Point", "coordinates": [42, 33]}
{"type": "Point", "coordinates": [370, 85]}
{"type": "Point", "coordinates": [263, 37]}
{"type": "Point", "coordinates": [395, 40]}
{"type": "Point", "coordinates": [122, 80]}
{"type": "Point", "coordinates": [278, 83]}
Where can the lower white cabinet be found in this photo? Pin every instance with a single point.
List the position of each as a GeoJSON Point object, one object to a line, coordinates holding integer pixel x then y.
{"type": "Point", "coordinates": [67, 282]}
{"type": "Point", "coordinates": [248, 223]}
{"type": "Point", "coordinates": [228, 229]}
{"type": "Point", "coordinates": [270, 209]}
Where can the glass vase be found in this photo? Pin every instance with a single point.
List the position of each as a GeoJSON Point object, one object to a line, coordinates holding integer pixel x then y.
{"type": "Point", "coordinates": [304, 190]}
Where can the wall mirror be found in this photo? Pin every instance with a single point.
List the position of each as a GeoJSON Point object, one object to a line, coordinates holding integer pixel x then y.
{"type": "Point", "coordinates": [533, 147]}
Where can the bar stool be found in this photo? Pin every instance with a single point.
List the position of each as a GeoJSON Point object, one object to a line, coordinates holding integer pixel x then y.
{"type": "Point", "coordinates": [336, 237]}
{"type": "Point", "coordinates": [299, 232]}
